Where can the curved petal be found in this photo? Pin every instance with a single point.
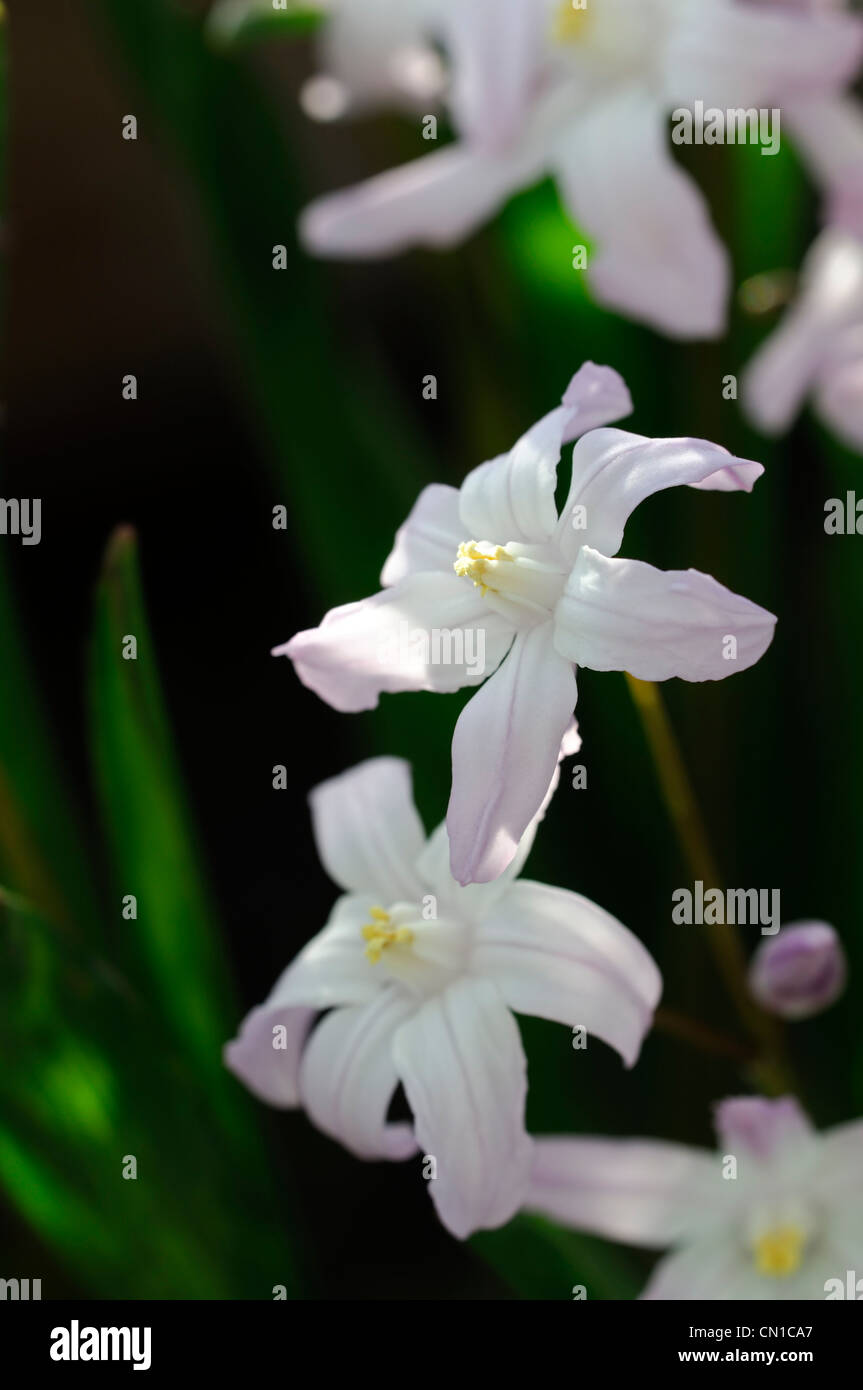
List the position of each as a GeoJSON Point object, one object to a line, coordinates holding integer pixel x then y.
{"type": "Point", "coordinates": [665, 265]}
{"type": "Point", "coordinates": [556, 955]}
{"type": "Point", "coordinates": [641, 1191]}
{"type": "Point", "coordinates": [613, 472]}
{"type": "Point", "coordinates": [624, 615]}
{"type": "Point", "coordinates": [758, 55]}
{"type": "Point", "coordinates": [367, 46]}
{"type": "Point", "coordinates": [494, 48]}
{"type": "Point", "coordinates": [597, 396]}
{"type": "Point", "coordinates": [828, 133]}
{"type": "Point", "coordinates": [265, 1055]}
{"type": "Point", "coordinates": [431, 631]}
{"type": "Point", "coordinates": [347, 1076]}
{"type": "Point", "coordinates": [791, 359]}
{"type": "Point", "coordinates": [840, 1165]}
{"type": "Point", "coordinates": [511, 498]}
{"type": "Point", "coordinates": [434, 201]}
{"type": "Point", "coordinates": [504, 753]}
{"type": "Point", "coordinates": [429, 539]}
{"type": "Point", "coordinates": [463, 1069]}
{"type": "Point", "coordinates": [839, 391]}
{"type": "Point", "coordinates": [470, 902]}
{"type": "Point", "coordinates": [331, 969]}
{"type": "Point", "coordinates": [768, 1130]}
{"type": "Point", "coordinates": [367, 830]}
{"type": "Point", "coordinates": [708, 1270]}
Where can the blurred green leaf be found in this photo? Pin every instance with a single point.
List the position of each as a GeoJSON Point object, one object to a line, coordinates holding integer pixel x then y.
{"type": "Point", "coordinates": [538, 1260]}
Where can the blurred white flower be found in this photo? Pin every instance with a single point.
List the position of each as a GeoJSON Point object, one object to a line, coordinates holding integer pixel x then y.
{"type": "Point", "coordinates": [781, 1221]}
{"type": "Point", "coordinates": [542, 87]}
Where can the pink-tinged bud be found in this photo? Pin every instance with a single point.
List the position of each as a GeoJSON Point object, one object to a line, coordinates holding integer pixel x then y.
{"type": "Point", "coordinates": [799, 972]}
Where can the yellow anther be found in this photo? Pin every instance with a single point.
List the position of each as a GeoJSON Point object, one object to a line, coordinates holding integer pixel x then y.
{"type": "Point", "coordinates": [379, 934]}
{"type": "Point", "coordinates": [779, 1252]}
{"type": "Point", "coordinates": [571, 21]}
{"type": "Point", "coordinates": [472, 563]}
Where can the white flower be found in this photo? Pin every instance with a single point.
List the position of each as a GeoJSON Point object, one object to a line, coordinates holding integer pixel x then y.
{"type": "Point", "coordinates": [787, 1223]}
{"type": "Point", "coordinates": [540, 88]}
{"type": "Point", "coordinates": [818, 347]}
{"type": "Point", "coordinates": [544, 591]}
{"type": "Point", "coordinates": [419, 976]}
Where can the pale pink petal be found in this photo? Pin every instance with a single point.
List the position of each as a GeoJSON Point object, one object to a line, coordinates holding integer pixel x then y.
{"type": "Point", "coordinates": [434, 201]}
{"type": "Point", "coordinates": [462, 1066]}
{"type": "Point", "coordinates": [347, 1076]}
{"type": "Point", "coordinates": [657, 257]}
{"type": "Point", "coordinates": [368, 45]}
{"type": "Point", "coordinates": [640, 1191]}
{"type": "Point", "coordinates": [266, 1053]}
{"type": "Point", "coordinates": [767, 1130]}
{"type": "Point", "coordinates": [733, 55]}
{"type": "Point", "coordinates": [472, 901]}
{"type": "Point", "coordinates": [804, 347]}
{"type": "Point", "coordinates": [709, 1271]}
{"type": "Point", "coordinates": [613, 471]}
{"type": "Point", "coordinates": [407, 637]}
{"type": "Point", "coordinates": [838, 396]}
{"type": "Point", "coordinates": [511, 498]}
{"type": "Point", "coordinates": [839, 1169]}
{"type": "Point", "coordinates": [597, 396]}
{"type": "Point", "coordinates": [828, 133]}
{"type": "Point", "coordinates": [557, 955]}
{"type": "Point", "coordinates": [494, 48]}
{"type": "Point", "coordinates": [430, 538]}
{"type": "Point", "coordinates": [624, 615]}
{"type": "Point", "coordinates": [504, 752]}
{"type": "Point", "coordinates": [367, 830]}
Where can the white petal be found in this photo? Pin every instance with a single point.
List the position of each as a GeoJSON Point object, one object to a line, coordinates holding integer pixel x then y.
{"type": "Point", "coordinates": [405, 638]}
{"type": "Point", "coordinates": [504, 753]}
{"type": "Point", "coordinates": [463, 1069]}
{"type": "Point", "coordinates": [494, 50]}
{"type": "Point", "coordinates": [839, 1172]}
{"type": "Point", "coordinates": [347, 1076]}
{"type": "Point", "coordinates": [640, 1191]}
{"type": "Point", "coordinates": [472, 901]}
{"type": "Point", "coordinates": [511, 498]}
{"type": "Point", "coordinates": [556, 955]}
{"type": "Point", "coordinates": [430, 538]}
{"type": "Point", "coordinates": [803, 346]}
{"type": "Point", "coordinates": [368, 831]}
{"type": "Point", "coordinates": [733, 55]}
{"type": "Point", "coordinates": [624, 615]}
{"type": "Point", "coordinates": [266, 1053]}
{"type": "Point", "coordinates": [613, 471]}
{"type": "Point", "coordinates": [332, 968]}
{"type": "Point", "coordinates": [597, 396]}
{"type": "Point", "coordinates": [434, 201]}
{"type": "Point", "coordinates": [828, 133]}
{"type": "Point", "coordinates": [709, 1270]}
{"type": "Point", "coordinates": [663, 264]}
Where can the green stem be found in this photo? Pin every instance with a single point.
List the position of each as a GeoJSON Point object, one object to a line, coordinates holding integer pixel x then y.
{"type": "Point", "coordinates": [770, 1067]}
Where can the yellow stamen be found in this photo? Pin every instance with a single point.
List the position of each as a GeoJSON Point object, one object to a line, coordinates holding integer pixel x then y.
{"type": "Point", "coordinates": [472, 563]}
{"type": "Point", "coordinates": [779, 1252]}
{"type": "Point", "coordinates": [571, 21]}
{"type": "Point", "coordinates": [379, 934]}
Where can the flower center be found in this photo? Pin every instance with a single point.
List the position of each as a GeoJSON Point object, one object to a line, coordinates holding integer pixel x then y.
{"type": "Point", "coordinates": [571, 22]}
{"type": "Point", "coordinates": [779, 1251]}
{"type": "Point", "coordinates": [521, 582]}
{"type": "Point", "coordinates": [378, 934]}
{"type": "Point", "coordinates": [480, 562]}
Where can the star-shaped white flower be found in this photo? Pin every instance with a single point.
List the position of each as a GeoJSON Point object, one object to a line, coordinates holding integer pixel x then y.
{"type": "Point", "coordinates": [539, 88]}
{"type": "Point", "coordinates": [494, 559]}
{"type": "Point", "coordinates": [419, 976]}
{"type": "Point", "coordinates": [776, 1214]}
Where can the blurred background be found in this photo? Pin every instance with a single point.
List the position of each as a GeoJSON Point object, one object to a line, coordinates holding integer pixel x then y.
{"type": "Point", "coordinates": [154, 778]}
